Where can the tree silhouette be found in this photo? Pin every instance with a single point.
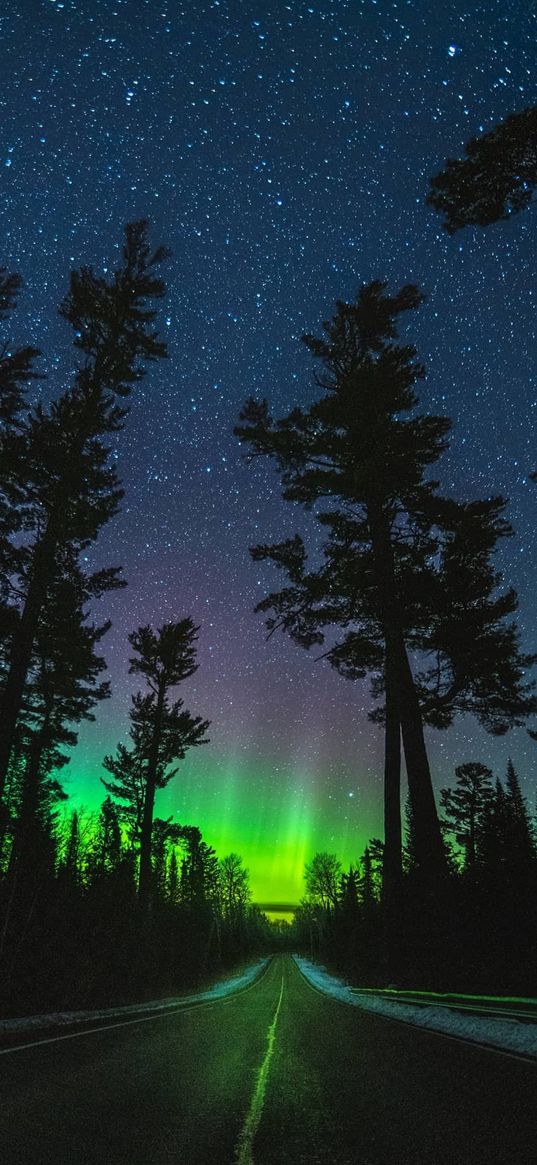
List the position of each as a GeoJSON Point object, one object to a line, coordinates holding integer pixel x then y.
{"type": "Point", "coordinates": [520, 839]}
{"type": "Point", "coordinates": [57, 464]}
{"type": "Point", "coordinates": [464, 807]}
{"type": "Point", "coordinates": [364, 445]}
{"type": "Point", "coordinates": [160, 732]}
{"type": "Point", "coordinates": [322, 876]}
{"type": "Point", "coordinates": [495, 180]}
{"type": "Point", "coordinates": [63, 685]}
{"type": "Point", "coordinates": [16, 366]}
{"type": "Point", "coordinates": [234, 885]}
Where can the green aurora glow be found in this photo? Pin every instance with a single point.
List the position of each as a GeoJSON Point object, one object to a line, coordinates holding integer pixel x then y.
{"type": "Point", "coordinates": [276, 821]}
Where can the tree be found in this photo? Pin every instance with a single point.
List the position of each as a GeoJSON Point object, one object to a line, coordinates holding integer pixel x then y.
{"type": "Point", "coordinates": [234, 881]}
{"type": "Point", "coordinates": [495, 180]}
{"type": "Point", "coordinates": [127, 767]}
{"type": "Point", "coordinates": [56, 466]}
{"type": "Point", "coordinates": [63, 685]}
{"type": "Point", "coordinates": [464, 808]}
{"type": "Point", "coordinates": [358, 445]}
{"type": "Point", "coordinates": [106, 846]}
{"type": "Point", "coordinates": [323, 880]}
{"type": "Point", "coordinates": [16, 366]}
{"type": "Point", "coordinates": [16, 370]}
{"type": "Point", "coordinates": [476, 663]}
{"type": "Point", "coordinates": [413, 573]}
{"type": "Point", "coordinates": [521, 851]}
{"type": "Point", "coordinates": [160, 732]}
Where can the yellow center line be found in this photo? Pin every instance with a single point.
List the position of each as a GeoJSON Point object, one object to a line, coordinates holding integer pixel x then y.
{"type": "Point", "coordinates": [243, 1152]}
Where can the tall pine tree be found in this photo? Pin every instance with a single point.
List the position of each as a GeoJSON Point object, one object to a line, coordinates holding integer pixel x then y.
{"type": "Point", "coordinates": [57, 464]}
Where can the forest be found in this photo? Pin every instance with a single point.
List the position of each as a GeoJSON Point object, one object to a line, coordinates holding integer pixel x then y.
{"type": "Point", "coordinates": [398, 586]}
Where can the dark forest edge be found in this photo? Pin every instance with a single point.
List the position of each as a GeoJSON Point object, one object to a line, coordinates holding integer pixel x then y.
{"type": "Point", "coordinates": [404, 591]}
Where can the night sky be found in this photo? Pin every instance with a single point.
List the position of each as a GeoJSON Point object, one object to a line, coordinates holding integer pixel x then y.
{"type": "Point", "coordinates": [282, 150]}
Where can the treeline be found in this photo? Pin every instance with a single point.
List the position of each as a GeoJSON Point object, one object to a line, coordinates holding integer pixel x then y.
{"type": "Point", "coordinates": [74, 935]}
{"type": "Point", "coordinates": [479, 935]}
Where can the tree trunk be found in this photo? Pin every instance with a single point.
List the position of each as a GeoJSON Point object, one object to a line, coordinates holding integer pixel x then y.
{"type": "Point", "coordinates": [22, 647]}
{"type": "Point", "coordinates": [24, 867]}
{"type": "Point", "coordinates": [428, 837]}
{"type": "Point", "coordinates": [429, 846]}
{"type": "Point", "coordinates": [22, 855]}
{"type": "Point", "coordinates": [146, 871]}
{"type": "Point", "coordinates": [392, 861]}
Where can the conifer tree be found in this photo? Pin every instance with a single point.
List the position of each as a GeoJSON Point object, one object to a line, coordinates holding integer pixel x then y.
{"type": "Point", "coordinates": [520, 840]}
{"type": "Point", "coordinates": [363, 445]}
{"type": "Point", "coordinates": [464, 808]}
{"type": "Point", "coordinates": [106, 847]}
{"type": "Point", "coordinates": [495, 180]}
{"type": "Point", "coordinates": [16, 365]}
{"type": "Point", "coordinates": [161, 732]}
{"type": "Point", "coordinates": [446, 607]}
{"type": "Point", "coordinates": [492, 841]}
{"type": "Point", "coordinates": [62, 686]}
{"type": "Point", "coordinates": [56, 466]}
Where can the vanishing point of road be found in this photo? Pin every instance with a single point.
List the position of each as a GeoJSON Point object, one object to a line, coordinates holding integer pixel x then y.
{"type": "Point", "coordinates": [277, 1074]}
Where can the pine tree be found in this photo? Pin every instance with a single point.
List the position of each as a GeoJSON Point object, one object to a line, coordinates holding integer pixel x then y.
{"type": "Point", "coordinates": [160, 732]}
{"type": "Point", "coordinates": [62, 686]}
{"type": "Point", "coordinates": [465, 806]}
{"type": "Point", "coordinates": [358, 445]}
{"type": "Point", "coordinates": [520, 841]}
{"type": "Point", "coordinates": [16, 370]}
{"type": "Point", "coordinates": [495, 180]}
{"type": "Point", "coordinates": [444, 605]}
{"type": "Point", "coordinates": [57, 465]}
{"type": "Point", "coordinates": [106, 848]}
{"type": "Point", "coordinates": [477, 665]}
{"type": "Point", "coordinates": [16, 365]}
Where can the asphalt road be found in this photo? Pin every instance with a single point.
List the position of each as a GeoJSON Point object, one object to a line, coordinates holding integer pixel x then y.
{"type": "Point", "coordinates": [276, 1074]}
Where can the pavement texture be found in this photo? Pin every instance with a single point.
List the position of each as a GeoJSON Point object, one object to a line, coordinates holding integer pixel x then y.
{"type": "Point", "coordinates": [278, 1074]}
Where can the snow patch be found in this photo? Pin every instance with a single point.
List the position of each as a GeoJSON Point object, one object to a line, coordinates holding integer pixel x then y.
{"type": "Point", "coordinates": [509, 1035]}
{"type": "Point", "coordinates": [69, 1018]}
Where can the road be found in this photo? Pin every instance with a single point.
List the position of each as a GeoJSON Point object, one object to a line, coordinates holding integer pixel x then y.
{"type": "Point", "coordinates": [276, 1075]}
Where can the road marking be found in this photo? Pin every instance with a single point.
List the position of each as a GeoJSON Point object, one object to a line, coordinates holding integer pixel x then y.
{"type": "Point", "coordinates": [224, 1000]}
{"type": "Point", "coordinates": [243, 1152]}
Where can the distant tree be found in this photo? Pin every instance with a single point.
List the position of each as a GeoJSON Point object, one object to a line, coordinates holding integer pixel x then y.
{"type": "Point", "coordinates": [235, 898]}
{"type": "Point", "coordinates": [495, 180]}
{"type": "Point", "coordinates": [165, 836]}
{"type": "Point", "coordinates": [160, 732]}
{"type": "Point", "coordinates": [56, 466]}
{"type": "Point", "coordinates": [367, 884]}
{"type": "Point", "coordinates": [70, 861]}
{"type": "Point", "coordinates": [200, 877]}
{"type": "Point", "coordinates": [127, 768]}
{"type": "Point", "coordinates": [234, 882]}
{"type": "Point", "coordinates": [106, 845]}
{"type": "Point", "coordinates": [464, 808]}
{"type": "Point", "coordinates": [322, 876]}
{"type": "Point", "coordinates": [521, 849]}
{"type": "Point", "coordinates": [172, 879]}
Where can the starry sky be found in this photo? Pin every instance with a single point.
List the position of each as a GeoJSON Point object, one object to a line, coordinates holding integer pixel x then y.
{"type": "Point", "coordinates": [282, 150]}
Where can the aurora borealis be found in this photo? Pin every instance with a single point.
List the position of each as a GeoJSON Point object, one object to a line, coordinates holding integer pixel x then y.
{"type": "Point", "coordinates": [282, 150]}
